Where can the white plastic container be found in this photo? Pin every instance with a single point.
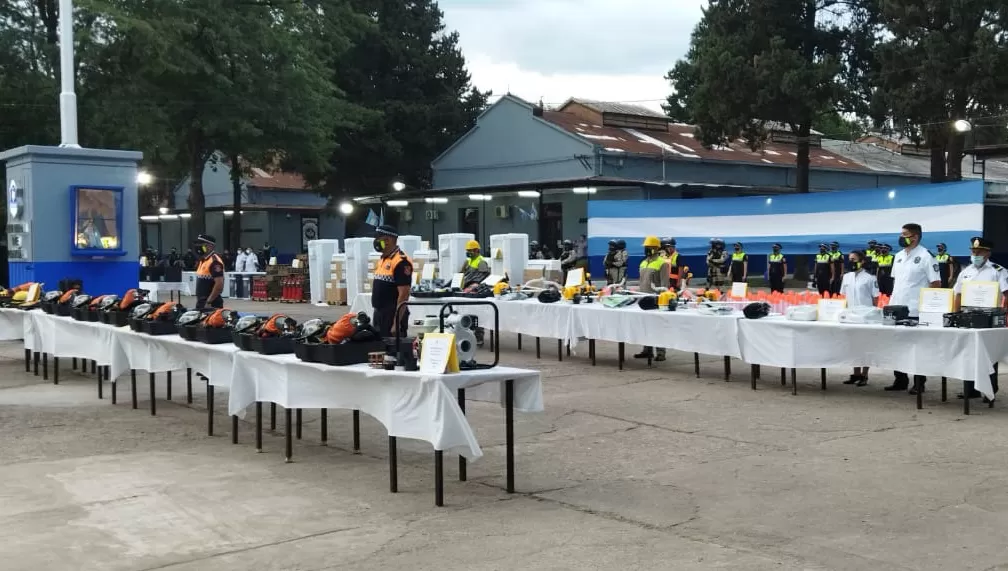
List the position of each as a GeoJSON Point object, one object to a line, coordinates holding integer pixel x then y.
{"type": "Point", "coordinates": [514, 259]}
{"type": "Point", "coordinates": [357, 251]}
{"type": "Point", "coordinates": [320, 253]}
{"type": "Point", "coordinates": [409, 244]}
{"type": "Point", "coordinates": [451, 253]}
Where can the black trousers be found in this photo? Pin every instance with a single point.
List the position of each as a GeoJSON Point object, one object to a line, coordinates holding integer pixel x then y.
{"type": "Point", "coordinates": [217, 303]}
{"type": "Point", "coordinates": [835, 286]}
{"type": "Point", "coordinates": [823, 283]}
{"type": "Point", "coordinates": [777, 283]}
{"type": "Point", "coordinates": [383, 317]}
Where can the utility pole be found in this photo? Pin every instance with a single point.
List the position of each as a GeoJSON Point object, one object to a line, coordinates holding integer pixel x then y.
{"type": "Point", "coordinates": [68, 100]}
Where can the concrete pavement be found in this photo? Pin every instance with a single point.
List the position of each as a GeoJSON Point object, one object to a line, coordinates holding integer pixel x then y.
{"type": "Point", "coordinates": [642, 469]}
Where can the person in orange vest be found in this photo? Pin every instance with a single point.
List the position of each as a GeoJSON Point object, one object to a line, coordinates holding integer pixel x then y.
{"type": "Point", "coordinates": [209, 274]}
{"type": "Point", "coordinates": [390, 288]}
{"type": "Point", "coordinates": [671, 255]}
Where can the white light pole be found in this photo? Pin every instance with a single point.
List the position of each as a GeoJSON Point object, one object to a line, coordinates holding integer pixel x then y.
{"type": "Point", "coordinates": [68, 100]}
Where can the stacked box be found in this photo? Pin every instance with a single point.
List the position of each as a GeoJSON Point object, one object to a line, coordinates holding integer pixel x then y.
{"type": "Point", "coordinates": [336, 287]}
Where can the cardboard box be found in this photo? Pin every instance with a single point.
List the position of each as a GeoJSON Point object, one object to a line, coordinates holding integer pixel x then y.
{"type": "Point", "coordinates": [531, 274]}
{"type": "Point", "coordinates": [554, 276]}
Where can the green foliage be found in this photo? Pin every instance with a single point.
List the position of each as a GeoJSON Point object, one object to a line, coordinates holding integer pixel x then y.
{"type": "Point", "coordinates": [752, 62]}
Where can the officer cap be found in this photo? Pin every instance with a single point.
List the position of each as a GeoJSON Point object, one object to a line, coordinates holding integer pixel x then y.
{"type": "Point", "coordinates": [835, 243]}
{"type": "Point", "coordinates": [981, 243]}
{"type": "Point", "coordinates": [386, 230]}
{"type": "Point", "coordinates": [205, 238]}
{"type": "Point", "coordinates": [942, 246]}
{"type": "Point", "coordinates": [872, 243]}
{"type": "Point", "coordinates": [823, 245]}
{"type": "Point", "coordinates": [739, 244]}
{"type": "Point", "coordinates": [778, 246]}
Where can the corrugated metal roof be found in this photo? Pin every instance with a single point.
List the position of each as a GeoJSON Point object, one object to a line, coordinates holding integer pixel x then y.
{"type": "Point", "coordinates": [877, 157]}
{"type": "Point", "coordinates": [615, 107]}
{"type": "Point", "coordinates": [679, 142]}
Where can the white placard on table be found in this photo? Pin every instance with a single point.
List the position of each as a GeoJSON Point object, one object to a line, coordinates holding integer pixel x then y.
{"type": "Point", "coordinates": [829, 309]}
{"type": "Point", "coordinates": [437, 354]}
{"type": "Point", "coordinates": [935, 300]}
{"type": "Point", "coordinates": [457, 280]}
{"type": "Point", "coordinates": [739, 289]}
{"type": "Point", "coordinates": [575, 277]}
{"type": "Point", "coordinates": [428, 271]}
{"type": "Point", "coordinates": [980, 294]}
{"type": "Point", "coordinates": [493, 280]}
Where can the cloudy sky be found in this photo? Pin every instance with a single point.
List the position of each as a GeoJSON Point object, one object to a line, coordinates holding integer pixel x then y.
{"type": "Point", "coordinates": [612, 50]}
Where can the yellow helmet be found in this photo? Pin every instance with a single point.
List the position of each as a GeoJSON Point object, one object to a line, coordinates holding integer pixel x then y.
{"type": "Point", "coordinates": [652, 242]}
{"type": "Point", "coordinates": [665, 298]}
{"type": "Point", "coordinates": [569, 292]}
{"type": "Point", "coordinates": [501, 288]}
{"type": "Point", "coordinates": [472, 245]}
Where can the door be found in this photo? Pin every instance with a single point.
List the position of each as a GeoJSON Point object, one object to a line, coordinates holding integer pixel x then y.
{"type": "Point", "coordinates": [469, 221]}
{"type": "Point", "coordinates": [552, 227]}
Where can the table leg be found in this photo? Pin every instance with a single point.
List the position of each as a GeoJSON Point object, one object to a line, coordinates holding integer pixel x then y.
{"type": "Point", "coordinates": [783, 377]}
{"type": "Point", "coordinates": [727, 368]}
{"type": "Point", "coordinates": [73, 364]}
{"type": "Point", "coordinates": [35, 361]}
{"type": "Point", "coordinates": [591, 350]}
{"type": "Point", "coordinates": [55, 370]}
{"type": "Point", "coordinates": [822, 377]}
{"type": "Point", "coordinates": [967, 389]}
{"type": "Point", "coordinates": [115, 390]}
{"type": "Point", "coordinates": [696, 364]}
{"type": "Point", "coordinates": [568, 349]}
{"type": "Point", "coordinates": [462, 460]}
{"type": "Point", "coordinates": [153, 392]}
{"type": "Point", "coordinates": [621, 354]}
{"type": "Point", "coordinates": [168, 385]}
{"type": "Point", "coordinates": [325, 427]}
{"type": "Point", "coordinates": [101, 386]}
{"type": "Point", "coordinates": [944, 389]}
{"type": "Point", "coordinates": [272, 416]}
{"type": "Point", "coordinates": [289, 443]}
{"type": "Point", "coordinates": [393, 465]}
{"type": "Point", "coordinates": [356, 431]}
{"type": "Point", "coordinates": [794, 381]}
{"type": "Point", "coordinates": [188, 385]}
{"type": "Point", "coordinates": [509, 432]}
{"type": "Point", "coordinates": [209, 408]}
{"type": "Point", "coordinates": [45, 366]}
{"type": "Point", "coordinates": [258, 428]}
{"type": "Point", "coordinates": [94, 366]}
{"type": "Point", "coordinates": [133, 387]}
{"type": "Point", "coordinates": [519, 342]}
{"type": "Point", "coordinates": [27, 360]}
{"type": "Point", "coordinates": [538, 349]}
{"type": "Point", "coordinates": [234, 429]}
{"type": "Point", "coordinates": [752, 376]}
{"type": "Point", "coordinates": [438, 478]}
{"type": "Point", "coordinates": [560, 350]}
{"type": "Point", "coordinates": [920, 397]}
{"type": "Point", "coordinates": [298, 427]}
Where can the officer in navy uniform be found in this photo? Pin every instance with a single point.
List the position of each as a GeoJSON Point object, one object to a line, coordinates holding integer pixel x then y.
{"type": "Point", "coordinates": [823, 273]}
{"type": "Point", "coordinates": [776, 269]}
{"type": "Point", "coordinates": [837, 258]}
{"type": "Point", "coordinates": [393, 278]}
{"type": "Point", "coordinates": [981, 269]}
{"type": "Point", "coordinates": [947, 266]}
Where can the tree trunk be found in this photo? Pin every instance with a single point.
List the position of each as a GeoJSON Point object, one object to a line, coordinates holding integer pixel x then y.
{"type": "Point", "coordinates": [236, 176]}
{"type": "Point", "coordinates": [937, 163]}
{"type": "Point", "coordinates": [953, 162]}
{"type": "Point", "coordinates": [802, 181]}
{"type": "Point", "coordinates": [197, 202]}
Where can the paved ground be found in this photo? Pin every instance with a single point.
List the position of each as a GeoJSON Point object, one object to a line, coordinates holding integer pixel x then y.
{"type": "Point", "coordinates": [645, 469]}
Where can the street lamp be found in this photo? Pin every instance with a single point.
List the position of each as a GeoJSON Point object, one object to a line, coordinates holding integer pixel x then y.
{"type": "Point", "coordinates": [398, 186]}
{"type": "Point", "coordinates": [144, 178]}
{"type": "Point", "coordinates": [962, 126]}
{"type": "Point", "coordinates": [346, 208]}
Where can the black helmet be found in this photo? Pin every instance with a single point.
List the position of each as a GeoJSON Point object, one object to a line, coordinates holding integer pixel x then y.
{"type": "Point", "coordinates": [613, 244]}
{"type": "Point", "coordinates": [191, 317]}
{"type": "Point", "coordinates": [550, 295]}
{"type": "Point", "coordinates": [533, 245]}
{"type": "Point", "coordinates": [568, 245]}
{"type": "Point", "coordinates": [142, 310]}
{"type": "Point", "coordinates": [835, 244]}
{"type": "Point", "coordinates": [80, 301]}
{"type": "Point", "coordinates": [667, 242]}
{"type": "Point", "coordinates": [738, 245]}
{"type": "Point", "coordinates": [648, 302]}
{"type": "Point", "coordinates": [872, 243]}
{"type": "Point", "coordinates": [621, 244]}
{"type": "Point", "coordinates": [311, 331]}
{"type": "Point", "coordinates": [109, 303]}
{"type": "Point", "coordinates": [756, 310]}
{"type": "Point", "coordinates": [777, 246]}
{"type": "Point", "coordinates": [51, 296]}
{"type": "Point", "coordinates": [823, 246]}
{"type": "Point", "coordinates": [942, 247]}
{"type": "Point", "coordinates": [247, 324]}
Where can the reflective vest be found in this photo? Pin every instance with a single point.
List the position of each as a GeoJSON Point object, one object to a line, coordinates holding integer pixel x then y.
{"type": "Point", "coordinates": [653, 265]}
{"type": "Point", "coordinates": [385, 272]}
{"type": "Point", "coordinates": [836, 255]}
{"type": "Point", "coordinates": [475, 262]}
{"type": "Point", "coordinates": [942, 258]}
{"type": "Point", "coordinates": [884, 261]}
{"type": "Point", "coordinates": [737, 256]}
{"type": "Point", "coordinates": [673, 261]}
{"type": "Point", "coordinates": [776, 258]}
{"type": "Point", "coordinates": [203, 269]}
{"type": "Point", "coordinates": [823, 262]}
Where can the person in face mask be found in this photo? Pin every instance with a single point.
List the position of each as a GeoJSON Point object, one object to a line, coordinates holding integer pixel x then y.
{"type": "Point", "coordinates": [776, 269]}
{"type": "Point", "coordinates": [861, 290]}
{"type": "Point", "coordinates": [946, 266]}
{"type": "Point", "coordinates": [739, 264]}
{"type": "Point", "coordinates": [390, 288]}
{"type": "Point", "coordinates": [823, 272]}
{"type": "Point", "coordinates": [981, 269]}
{"type": "Point", "coordinates": [914, 268]}
{"type": "Point", "coordinates": [883, 268]}
{"type": "Point", "coordinates": [209, 274]}
{"type": "Point", "coordinates": [475, 269]}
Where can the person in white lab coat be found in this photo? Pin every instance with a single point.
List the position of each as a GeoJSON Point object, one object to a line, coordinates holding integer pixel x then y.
{"type": "Point", "coordinates": [251, 262]}
{"type": "Point", "coordinates": [860, 289]}
{"type": "Point", "coordinates": [914, 268]}
{"type": "Point", "coordinates": [239, 261]}
{"type": "Point", "coordinates": [981, 269]}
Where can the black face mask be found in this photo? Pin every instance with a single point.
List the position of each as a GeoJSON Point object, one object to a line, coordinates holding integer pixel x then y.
{"type": "Point", "coordinates": [649, 252]}
{"type": "Point", "coordinates": [737, 249]}
{"type": "Point", "coordinates": [904, 242]}
{"type": "Point", "coordinates": [776, 250]}
{"type": "Point", "coordinates": [854, 266]}
{"type": "Point", "coordinates": [822, 250]}
{"type": "Point", "coordinates": [379, 245]}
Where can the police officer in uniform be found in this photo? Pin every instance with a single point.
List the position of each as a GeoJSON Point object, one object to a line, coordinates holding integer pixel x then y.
{"type": "Point", "coordinates": [981, 269]}
{"type": "Point", "coordinates": [884, 268]}
{"type": "Point", "coordinates": [870, 253]}
{"type": "Point", "coordinates": [615, 263]}
{"type": "Point", "coordinates": [776, 269]}
{"type": "Point", "coordinates": [209, 274]}
{"type": "Point", "coordinates": [947, 266]}
{"type": "Point", "coordinates": [654, 278]}
{"type": "Point", "coordinates": [535, 252]}
{"type": "Point", "coordinates": [739, 264]}
{"type": "Point", "coordinates": [392, 281]}
{"type": "Point", "coordinates": [837, 259]}
{"type": "Point", "coordinates": [823, 273]}
{"type": "Point", "coordinates": [913, 268]}
{"type": "Point", "coordinates": [671, 255]}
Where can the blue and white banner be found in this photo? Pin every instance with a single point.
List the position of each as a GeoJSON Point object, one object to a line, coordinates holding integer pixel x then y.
{"type": "Point", "coordinates": [951, 213]}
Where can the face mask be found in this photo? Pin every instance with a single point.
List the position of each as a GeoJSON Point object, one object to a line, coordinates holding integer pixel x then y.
{"type": "Point", "coordinates": [737, 249]}
{"type": "Point", "coordinates": [904, 242]}
{"type": "Point", "coordinates": [648, 252]}
{"type": "Point", "coordinates": [202, 249]}
{"type": "Point", "coordinates": [471, 254]}
{"type": "Point", "coordinates": [854, 266]}
{"type": "Point", "coordinates": [379, 245]}
{"type": "Point", "coordinates": [978, 261]}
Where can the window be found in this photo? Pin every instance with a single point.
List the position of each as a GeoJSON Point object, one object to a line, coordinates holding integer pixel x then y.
{"type": "Point", "coordinates": [97, 220]}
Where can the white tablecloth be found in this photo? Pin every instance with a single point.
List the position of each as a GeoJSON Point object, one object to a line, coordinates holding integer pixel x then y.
{"type": "Point", "coordinates": [155, 289]}
{"type": "Point", "coordinates": [966, 354]}
{"type": "Point", "coordinates": [408, 404]}
{"type": "Point", "coordinates": [163, 353]}
{"type": "Point", "coordinates": [66, 337]}
{"type": "Point", "coordinates": [12, 324]}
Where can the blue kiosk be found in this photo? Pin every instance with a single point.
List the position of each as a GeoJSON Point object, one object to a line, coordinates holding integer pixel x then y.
{"type": "Point", "coordinates": [72, 213]}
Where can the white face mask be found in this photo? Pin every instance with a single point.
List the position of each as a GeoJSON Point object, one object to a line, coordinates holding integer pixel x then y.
{"type": "Point", "coordinates": [978, 261]}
